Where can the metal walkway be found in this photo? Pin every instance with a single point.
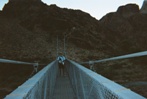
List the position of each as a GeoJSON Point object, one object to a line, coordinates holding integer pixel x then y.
{"type": "Point", "coordinates": [63, 88]}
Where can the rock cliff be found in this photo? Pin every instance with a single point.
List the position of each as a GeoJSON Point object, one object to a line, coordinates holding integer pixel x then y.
{"type": "Point", "coordinates": [39, 23]}
{"type": "Point", "coordinates": [129, 25]}
{"type": "Point", "coordinates": [144, 7]}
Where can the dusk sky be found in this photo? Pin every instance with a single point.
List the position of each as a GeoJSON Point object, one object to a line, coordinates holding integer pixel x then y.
{"type": "Point", "coordinates": [96, 8]}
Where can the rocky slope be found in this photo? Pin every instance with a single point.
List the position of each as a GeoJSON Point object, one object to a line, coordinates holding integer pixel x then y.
{"type": "Point", "coordinates": [123, 30]}
{"type": "Point", "coordinates": [42, 23]}
{"type": "Point", "coordinates": [144, 7]}
{"type": "Point", "coordinates": [130, 26]}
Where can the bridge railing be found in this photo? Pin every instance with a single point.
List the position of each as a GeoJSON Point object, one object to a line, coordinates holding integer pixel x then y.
{"type": "Point", "coordinates": [138, 54]}
{"type": "Point", "coordinates": [21, 63]}
{"type": "Point", "coordinates": [16, 62]}
{"type": "Point", "coordinates": [90, 85]}
{"type": "Point", "coordinates": [40, 86]}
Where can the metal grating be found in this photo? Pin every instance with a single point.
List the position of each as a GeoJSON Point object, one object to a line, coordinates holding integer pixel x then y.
{"type": "Point", "coordinates": [63, 88]}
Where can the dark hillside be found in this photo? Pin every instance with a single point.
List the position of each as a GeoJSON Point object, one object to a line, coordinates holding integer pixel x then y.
{"type": "Point", "coordinates": [17, 42]}
{"type": "Point", "coordinates": [44, 23]}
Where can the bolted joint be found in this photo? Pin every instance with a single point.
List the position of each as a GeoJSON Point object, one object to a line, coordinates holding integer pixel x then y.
{"type": "Point", "coordinates": [91, 65]}
{"type": "Point", "coordinates": [36, 67]}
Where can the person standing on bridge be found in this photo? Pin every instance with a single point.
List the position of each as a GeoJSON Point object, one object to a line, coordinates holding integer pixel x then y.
{"type": "Point", "coordinates": [61, 62]}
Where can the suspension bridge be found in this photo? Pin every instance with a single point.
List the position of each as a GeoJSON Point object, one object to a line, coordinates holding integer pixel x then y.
{"type": "Point", "coordinates": [77, 83]}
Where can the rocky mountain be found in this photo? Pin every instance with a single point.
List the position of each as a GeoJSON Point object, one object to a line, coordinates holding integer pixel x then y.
{"type": "Point", "coordinates": [40, 24]}
{"type": "Point", "coordinates": [130, 26]}
{"type": "Point", "coordinates": [144, 7]}
{"type": "Point", "coordinates": [27, 25]}
{"type": "Point", "coordinates": [29, 29]}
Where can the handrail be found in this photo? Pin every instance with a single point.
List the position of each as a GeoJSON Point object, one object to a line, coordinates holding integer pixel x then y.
{"type": "Point", "coordinates": [144, 53]}
{"type": "Point", "coordinates": [40, 86]}
{"type": "Point", "coordinates": [90, 85]}
{"type": "Point", "coordinates": [16, 62]}
{"type": "Point", "coordinates": [22, 63]}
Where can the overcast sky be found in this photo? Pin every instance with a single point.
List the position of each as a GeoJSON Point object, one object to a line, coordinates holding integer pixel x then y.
{"type": "Point", "coordinates": [96, 8]}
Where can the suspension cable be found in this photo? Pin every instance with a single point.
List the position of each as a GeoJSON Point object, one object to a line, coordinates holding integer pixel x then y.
{"type": "Point", "coordinates": [64, 45]}
{"type": "Point", "coordinates": [57, 45]}
{"type": "Point", "coordinates": [35, 65]}
{"type": "Point", "coordinates": [15, 62]}
{"type": "Point", "coordinates": [138, 54]}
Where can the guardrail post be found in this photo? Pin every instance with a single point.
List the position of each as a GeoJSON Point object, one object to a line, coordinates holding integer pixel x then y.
{"type": "Point", "coordinates": [36, 67]}
{"type": "Point", "coordinates": [91, 65]}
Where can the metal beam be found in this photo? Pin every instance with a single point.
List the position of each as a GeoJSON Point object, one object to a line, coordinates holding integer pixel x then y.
{"type": "Point", "coordinates": [139, 54]}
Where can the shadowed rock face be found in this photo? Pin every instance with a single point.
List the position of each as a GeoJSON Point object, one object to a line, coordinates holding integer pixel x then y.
{"type": "Point", "coordinates": [20, 8]}
{"type": "Point", "coordinates": [128, 10]}
{"type": "Point", "coordinates": [129, 24]}
{"type": "Point", "coordinates": [45, 22]}
{"type": "Point", "coordinates": [144, 7]}
{"type": "Point", "coordinates": [118, 21]}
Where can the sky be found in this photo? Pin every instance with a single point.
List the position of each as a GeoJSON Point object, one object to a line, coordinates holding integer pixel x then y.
{"type": "Point", "coordinates": [96, 8]}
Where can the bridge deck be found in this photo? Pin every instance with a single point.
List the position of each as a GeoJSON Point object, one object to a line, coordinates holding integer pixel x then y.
{"type": "Point", "coordinates": [63, 88]}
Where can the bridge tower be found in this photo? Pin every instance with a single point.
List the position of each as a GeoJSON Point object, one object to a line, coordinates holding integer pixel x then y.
{"type": "Point", "coordinates": [61, 45]}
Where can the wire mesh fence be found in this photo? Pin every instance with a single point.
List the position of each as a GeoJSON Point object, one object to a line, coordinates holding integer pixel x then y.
{"type": "Point", "coordinates": [90, 85]}
{"type": "Point", "coordinates": [40, 86]}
